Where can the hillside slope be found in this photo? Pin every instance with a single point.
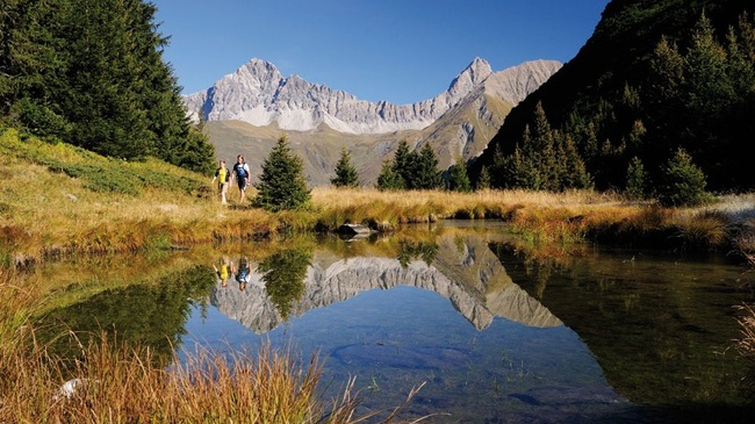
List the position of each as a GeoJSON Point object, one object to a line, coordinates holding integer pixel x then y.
{"type": "Point", "coordinates": [56, 198]}
{"type": "Point", "coordinates": [609, 95]}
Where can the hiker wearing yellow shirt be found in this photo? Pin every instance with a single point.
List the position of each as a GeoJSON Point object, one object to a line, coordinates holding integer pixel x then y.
{"type": "Point", "coordinates": [222, 175]}
{"type": "Point", "coordinates": [222, 274]}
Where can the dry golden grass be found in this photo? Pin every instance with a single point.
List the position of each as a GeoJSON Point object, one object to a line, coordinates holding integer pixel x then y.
{"type": "Point", "coordinates": [746, 343]}
{"type": "Point", "coordinates": [696, 228]}
{"type": "Point", "coordinates": [386, 208]}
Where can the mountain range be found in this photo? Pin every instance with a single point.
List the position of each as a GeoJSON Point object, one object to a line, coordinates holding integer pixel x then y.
{"type": "Point", "coordinates": [246, 111]}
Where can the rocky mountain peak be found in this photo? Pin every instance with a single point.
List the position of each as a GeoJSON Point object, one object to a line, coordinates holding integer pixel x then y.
{"type": "Point", "coordinates": [474, 74]}
{"type": "Point", "coordinates": [258, 94]}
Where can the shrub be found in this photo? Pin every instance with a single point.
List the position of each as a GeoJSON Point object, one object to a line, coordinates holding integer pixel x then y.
{"type": "Point", "coordinates": [684, 183]}
{"type": "Point", "coordinates": [636, 179]}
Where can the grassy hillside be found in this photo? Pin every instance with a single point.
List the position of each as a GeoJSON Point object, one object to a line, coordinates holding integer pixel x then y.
{"type": "Point", "coordinates": [57, 198]}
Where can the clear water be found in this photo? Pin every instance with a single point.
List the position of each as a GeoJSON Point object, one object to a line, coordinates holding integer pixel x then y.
{"type": "Point", "coordinates": [498, 331]}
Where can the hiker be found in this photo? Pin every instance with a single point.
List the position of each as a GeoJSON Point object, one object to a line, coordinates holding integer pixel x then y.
{"type": "Point", "coordinates": [222, 274]}
{"type": "Point", "coordinates": [242, 274]}
{"type": "Point", "coordinates": [222, 175]}
{"type": "Point", "coordinates": [241, 174]}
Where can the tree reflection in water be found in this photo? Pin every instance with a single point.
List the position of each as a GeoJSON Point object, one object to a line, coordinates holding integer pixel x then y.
{"type": "Point", "coordinates": [147, 314]}
{"type": "Point", "coordinates": [412, 250]}
{"type": "Point", "coordinates": [283, 273]}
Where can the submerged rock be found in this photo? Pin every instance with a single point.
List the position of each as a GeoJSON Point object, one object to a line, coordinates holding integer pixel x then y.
{"type": "Point", "coordinates": [421, 357]}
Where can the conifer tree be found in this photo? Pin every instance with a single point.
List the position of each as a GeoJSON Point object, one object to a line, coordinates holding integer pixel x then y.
{"type": "Point", "coordinates": [528, 174]}
{"type": "Point", "coordinates": [541, 150]}
{"type": "Point", "coordinates": [561, 174]}
{"type": "Point", "coordinates": [426, 175]}
{"type": "Point", "coordinates": [282, 185]}
{"type": "Point", "coordinates": [484, 180]}
{"type": "Point", "coordinates": [403, 162]}
{"type": "Point", "coordinates": [707, 84]}
{"type": "Point", "coordinates": [389, 179]}
{"type": "Point", "coordinates": [508, 169]}
{"type": "Point", "coordinates": [92, 74]}
{"type": "Point", "coordinates": [684, 183]}
{"type": "Point", "coordinates": [346, 174]}
{"type": "Point", "coordinates": [668, 67]}
{"type": "Point", "coordinates": [636, 184]}
{"type": "Point", "coordinates": [590, 148]}
{"type": "Point", "coordinates": [575, 173]}
{"type": "Point", "coordinates": [499, 170]}
{"type": "Point", "coordinates": [458, 180]}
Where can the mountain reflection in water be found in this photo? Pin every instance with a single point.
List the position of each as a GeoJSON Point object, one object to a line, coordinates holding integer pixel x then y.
{"type": "Point", "coordinates": [464, 270]}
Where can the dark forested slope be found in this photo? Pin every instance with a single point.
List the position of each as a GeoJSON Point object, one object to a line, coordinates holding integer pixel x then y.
{"type": "Point", "coordinates": [656, 75]}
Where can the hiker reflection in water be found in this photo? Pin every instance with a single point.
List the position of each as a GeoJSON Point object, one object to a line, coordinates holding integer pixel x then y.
{"type": "Point", "coordinates": [242, 273]}
{"type": "Point", "coordinates": [223, 273]}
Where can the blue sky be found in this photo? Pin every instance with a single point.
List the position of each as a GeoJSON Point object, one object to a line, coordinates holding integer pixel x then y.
{"type": "Point", "coordinates": [400, 51]}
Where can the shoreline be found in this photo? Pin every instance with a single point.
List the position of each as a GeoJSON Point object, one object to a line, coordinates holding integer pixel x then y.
{"type": "Point", "coordinates": [697, 231]}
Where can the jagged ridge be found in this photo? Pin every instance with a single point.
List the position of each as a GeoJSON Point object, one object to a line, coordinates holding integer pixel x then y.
{"type": "Point", "coordinates": [258, 94]}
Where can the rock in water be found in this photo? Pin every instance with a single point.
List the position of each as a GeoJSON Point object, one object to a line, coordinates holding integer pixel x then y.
{"type": "Point", "coordinates": [354, 230]}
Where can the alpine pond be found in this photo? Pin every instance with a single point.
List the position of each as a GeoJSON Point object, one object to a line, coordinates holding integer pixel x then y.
{"type": "Point", "coordinates": [498, 329]}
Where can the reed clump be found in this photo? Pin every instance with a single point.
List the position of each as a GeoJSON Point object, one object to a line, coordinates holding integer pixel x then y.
{"type": "Point", "coordinates": [746, 246]}
{"type": "Point", "coordinates": [746, 343]}
{"type": "Point", "coordinates": [632, 224]}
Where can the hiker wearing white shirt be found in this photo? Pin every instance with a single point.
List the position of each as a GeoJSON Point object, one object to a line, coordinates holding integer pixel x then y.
{"type": "Point", "coordinates": [241, 174]}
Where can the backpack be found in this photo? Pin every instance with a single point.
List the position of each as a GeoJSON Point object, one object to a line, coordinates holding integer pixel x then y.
{"type": "Point", "coordinates": [240, 170]}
